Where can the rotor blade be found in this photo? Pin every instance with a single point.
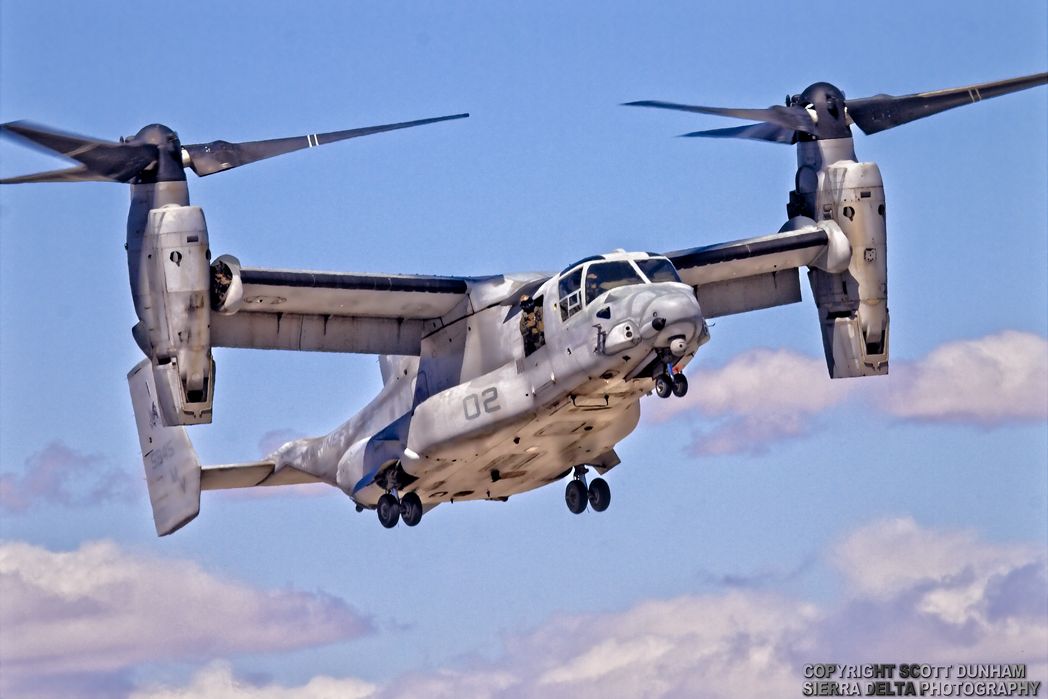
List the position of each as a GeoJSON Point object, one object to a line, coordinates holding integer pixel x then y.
{"type": "Point", "coordinates": [74, 174]}
{"type": "Point", "coordinates": [209, 158]}
{"type": "Point", "coordinates": [758, 132]}
{"type": "Point", "coordinates": [119, 162]}
{"type": "Point", "coordinates": [792, 118]}
{"type": "Point", "coordinates": [45, 137]}
{"type": "Point", "coordinates": [880, 112]}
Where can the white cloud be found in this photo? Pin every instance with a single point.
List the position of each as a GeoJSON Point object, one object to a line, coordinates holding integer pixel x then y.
{"type": "Point", "coordinates": [100, 609]}
{"type": "Point", "coordinates": [911, 594]}
{"type": "Point", "coordinates": [907, 556]}
{"type": "Point", "coordinates": [59, 475]}
{"type": "Point", "coordinates": [759, 381]}
{"type": "Point", "coordinates": [759, 397]}
{"type": "Point", "coordinates": [988, 381]}
{"type": "Point", "coordinates": [765, 396]}
{"type": "Point", "coordinates": [216, 681]}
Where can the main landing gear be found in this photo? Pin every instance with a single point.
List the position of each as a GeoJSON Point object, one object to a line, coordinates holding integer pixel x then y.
{"type": "Point", "coordinates": [578, 494]}
{"type": "Point", "coordinates": [391, 510]}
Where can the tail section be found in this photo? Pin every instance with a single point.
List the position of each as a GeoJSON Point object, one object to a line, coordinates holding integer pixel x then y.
{"type": "Point", "coordinates": [173, 472]}
{"type": "Point", "coordinates": [171, 464]}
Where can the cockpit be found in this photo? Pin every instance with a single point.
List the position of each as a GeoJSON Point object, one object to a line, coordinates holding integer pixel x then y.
{"type": "Point", "coordinates": [588, 279]}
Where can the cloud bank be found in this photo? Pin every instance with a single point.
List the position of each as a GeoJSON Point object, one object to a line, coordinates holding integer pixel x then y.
{"type": "Point", "coordinates": [99, 610]}
{"type": "Point", "coordinates": [911, 594]}
{"type": "Point", "coordinates": [988, 381]}
{"type": "Point", "coordinates": [216, 681]}
{"type": "Point", "coordinates": [765, 396]}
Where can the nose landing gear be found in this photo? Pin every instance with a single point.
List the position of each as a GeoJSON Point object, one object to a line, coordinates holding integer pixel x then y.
{"type": "Point", "coordinates": [668, 383]}
{"type": "Point", "coordinates": [577, 494]}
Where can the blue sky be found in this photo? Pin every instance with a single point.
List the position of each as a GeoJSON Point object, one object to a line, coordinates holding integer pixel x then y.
{"type": "Point", "coordinates": [948, 456]}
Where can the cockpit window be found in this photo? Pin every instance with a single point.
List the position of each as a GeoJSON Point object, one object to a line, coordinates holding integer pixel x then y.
{"type": "Point", "coordinates": [658, 269]}
{"type": "Point", "coordinates": [570, 287]}
{"type": "Point", "coordinates": [605, 276]}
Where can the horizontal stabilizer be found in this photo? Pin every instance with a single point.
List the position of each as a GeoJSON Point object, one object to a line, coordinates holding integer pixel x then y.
{"type": "Point", "coordinates": [251, 475]}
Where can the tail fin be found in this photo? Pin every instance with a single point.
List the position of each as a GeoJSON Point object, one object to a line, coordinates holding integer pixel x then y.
{"type": "Point", "coordinates": [171, 464]}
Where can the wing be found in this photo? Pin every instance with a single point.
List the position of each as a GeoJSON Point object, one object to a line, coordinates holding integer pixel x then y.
{"type": "Point", "coordinates": [330, 311]}
{"type": "Point", "coordinates": [754, 273]}
{"type": "Point", "coordinates": [849, 283]}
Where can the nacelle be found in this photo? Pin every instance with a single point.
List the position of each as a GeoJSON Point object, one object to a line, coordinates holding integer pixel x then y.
{"type": "Point", "coordinates": [853, 304]}
{"type": "Point", "coordinates": [171, 292]}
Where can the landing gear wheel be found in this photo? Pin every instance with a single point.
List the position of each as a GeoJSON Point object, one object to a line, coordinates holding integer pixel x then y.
{"type": "Point", "coordinates": [663, 385]}
{"type": "Point", "coordinates": [680, 385]}
{"type": "Point", "coordinates": [388, 511]}
{"type": "Point", "coordinates": [599, 494]}
{"type": "Point", "coordinates": [575, 496]}
{"type": "Point", "coordinates": [411, 509]}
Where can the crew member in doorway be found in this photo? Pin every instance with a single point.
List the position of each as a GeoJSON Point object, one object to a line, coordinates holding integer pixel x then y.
{"type": "Point", "coordinates": [531, 325]}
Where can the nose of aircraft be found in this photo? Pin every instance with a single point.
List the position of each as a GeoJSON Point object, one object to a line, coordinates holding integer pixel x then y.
{"type": "Point", "coordinates": [671, 315]}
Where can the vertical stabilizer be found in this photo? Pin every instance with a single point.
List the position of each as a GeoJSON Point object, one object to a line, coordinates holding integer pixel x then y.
{"type": "Point", "coordinates": [171, 464]}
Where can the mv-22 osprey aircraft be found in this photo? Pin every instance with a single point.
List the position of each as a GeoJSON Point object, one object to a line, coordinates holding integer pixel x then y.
{"type": "Point", "coordinates": [492, 385]}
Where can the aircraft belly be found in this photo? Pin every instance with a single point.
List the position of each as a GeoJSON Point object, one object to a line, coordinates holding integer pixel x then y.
{"type": "Point", "coordinates": [530, 451]}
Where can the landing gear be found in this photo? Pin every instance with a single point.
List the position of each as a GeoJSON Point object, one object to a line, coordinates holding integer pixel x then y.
{"type": "Point", "coordinates": [578, 494]}
{"type": "Point", "coordinates": [575, 495]}
{"type": "Point", "coordinates": [670, 382]}
{"type": "Point", "coordinates": [411, 509]}
{"type": "Point", "coordinates": [391, 508]}
{"type": "Point", "coordinates": [663, 385]}
{"type": "Point", "coordinates": [599, 494]}
{"type": "Point", "coordinates": [388, 510]}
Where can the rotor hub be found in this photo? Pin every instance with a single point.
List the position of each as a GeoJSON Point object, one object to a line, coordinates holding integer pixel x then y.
{"type": "Point", "coordinates": [157, 135]}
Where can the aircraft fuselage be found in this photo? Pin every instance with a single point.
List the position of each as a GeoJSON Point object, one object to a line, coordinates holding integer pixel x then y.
{"type": "Point", "coordinates": [480, 414]}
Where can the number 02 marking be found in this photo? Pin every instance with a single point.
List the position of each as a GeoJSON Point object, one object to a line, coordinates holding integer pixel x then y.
{"type": "Point", "coordinates": [487, 402]}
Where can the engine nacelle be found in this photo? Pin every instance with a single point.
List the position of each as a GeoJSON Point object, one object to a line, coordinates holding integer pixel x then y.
{"type": "Point", "coordinates": [853, 304]}
{"type": "Point", "coordinates": [172, 300]}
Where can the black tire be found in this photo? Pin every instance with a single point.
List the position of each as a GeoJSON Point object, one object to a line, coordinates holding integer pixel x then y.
{"type": "Point", "coordinates": [680, 385]}
{"type": "Point", "coordinates": [411, 509]}
{"type": "Point", "coordinates": [663, 386]}
{"type": "Point", "coordinates": [388, 511]}
{"type": "Point", "coordinates": [575, 496]}
{"type": "Point", "coordinates": [599, 494]}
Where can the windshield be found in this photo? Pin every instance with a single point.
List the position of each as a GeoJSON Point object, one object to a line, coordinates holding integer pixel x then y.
{"type": "Point", "coordinates": [658, 269]}
{"type": "Point", "coordinates": [605, 276]}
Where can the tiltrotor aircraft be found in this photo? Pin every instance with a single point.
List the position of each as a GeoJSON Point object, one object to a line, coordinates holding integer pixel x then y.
{"type": "Point", "coordinates": [492, 385]}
